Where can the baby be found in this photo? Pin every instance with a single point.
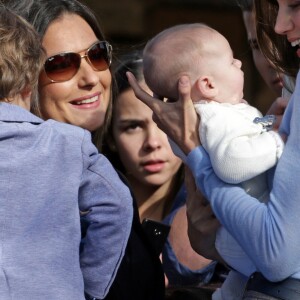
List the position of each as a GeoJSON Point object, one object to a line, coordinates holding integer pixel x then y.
{"type": "Point", "coordinates": [240, 142]}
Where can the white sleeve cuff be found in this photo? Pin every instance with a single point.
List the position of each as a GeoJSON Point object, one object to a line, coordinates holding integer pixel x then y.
{"type": "Point", "coordinates": [279, 143]}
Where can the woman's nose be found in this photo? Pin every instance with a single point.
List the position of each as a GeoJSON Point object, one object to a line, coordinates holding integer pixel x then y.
{"type": "Point", "coordinates": [283, 22]}
{"type": "Point", "coordinates": [87, 75]}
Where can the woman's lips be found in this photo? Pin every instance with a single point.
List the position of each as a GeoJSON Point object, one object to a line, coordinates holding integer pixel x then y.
{"type": "Point", "coordinates": [153, 166]}
{"type": "Point", "coordinates": [91, 102]}
{"type": "Point", "coordinates": [278, 81]}
{"type": "Point", "coordinates": [295, 42]}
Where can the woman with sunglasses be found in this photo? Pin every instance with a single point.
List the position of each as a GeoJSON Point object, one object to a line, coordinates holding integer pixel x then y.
{"type": "Point", "coordinates": [50, 173]}
{"type": "Point", "coordinates": [75, 87]}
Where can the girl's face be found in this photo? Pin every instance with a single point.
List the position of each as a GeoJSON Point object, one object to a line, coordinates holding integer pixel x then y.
{"type": "Point", "coordinates": [143, 148]}
{"type": "Point", "coordinates": [82, 100]}
{"type": "Point", "coordinates": [288, 21]}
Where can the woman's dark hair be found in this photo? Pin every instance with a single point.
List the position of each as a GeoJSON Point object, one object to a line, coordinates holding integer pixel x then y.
{"type": "Point", "coordinates": [275, 47]}
{"type": "Point", "coordinates": [245, 5]}
{"type": "Point", "coordinates": [41, 13]}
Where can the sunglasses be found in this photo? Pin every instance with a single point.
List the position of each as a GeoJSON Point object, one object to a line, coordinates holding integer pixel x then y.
{"type": "Point", "coordinates": [64, 66]}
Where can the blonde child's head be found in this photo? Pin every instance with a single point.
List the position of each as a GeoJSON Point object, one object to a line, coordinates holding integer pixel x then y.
{"type": "Point", "coordinates": [21, 56]}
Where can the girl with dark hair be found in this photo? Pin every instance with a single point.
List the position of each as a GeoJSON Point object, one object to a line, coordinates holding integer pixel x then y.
{"type": "Point", "coordinates": [143, 153]}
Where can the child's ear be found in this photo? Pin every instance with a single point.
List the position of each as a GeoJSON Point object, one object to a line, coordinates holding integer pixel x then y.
{"type": "Point", "coordinates": [206, 87]}
{"type": "Point", "coordinates": [25, 98]}
{"type": "Point", "coordinates": [26, 94]}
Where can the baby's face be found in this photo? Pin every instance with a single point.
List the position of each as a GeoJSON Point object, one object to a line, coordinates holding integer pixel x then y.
{"type": "Point", "coordinates": [225, 70]}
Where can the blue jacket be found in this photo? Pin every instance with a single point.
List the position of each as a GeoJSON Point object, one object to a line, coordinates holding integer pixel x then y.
{"type": "Point", "coordinates": [50, 173]}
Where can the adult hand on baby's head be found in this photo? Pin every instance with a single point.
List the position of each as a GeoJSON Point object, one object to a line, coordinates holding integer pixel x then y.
{"type": "Point", "coordinates": [179, 119]}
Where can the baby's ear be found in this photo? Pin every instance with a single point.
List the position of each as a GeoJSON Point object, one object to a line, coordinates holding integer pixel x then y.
{"type": "Point", "coordinates": [206, 87]}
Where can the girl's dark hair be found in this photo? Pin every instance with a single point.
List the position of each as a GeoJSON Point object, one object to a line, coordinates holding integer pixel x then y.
{"type": "Point", "coordinates": [132, 62]}
{"type": "Point", "coordinates": [275, 47]}
{"type": "Point", "coordinates": [41, 13]}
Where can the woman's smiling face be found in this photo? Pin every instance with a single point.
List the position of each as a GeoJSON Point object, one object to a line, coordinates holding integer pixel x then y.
{"type": "Point", "coordinates": [83, 100]}
{"type": "Point", "coordinates": [288, 22]}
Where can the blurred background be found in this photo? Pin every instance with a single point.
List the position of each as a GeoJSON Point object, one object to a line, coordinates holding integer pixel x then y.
{"type": "Point", "coordinates": [128, 24]}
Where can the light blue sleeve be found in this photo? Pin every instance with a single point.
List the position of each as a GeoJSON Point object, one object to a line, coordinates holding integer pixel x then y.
{"type": "Point", "coordinates": [106, 203]}
{"type": "Point", "coordinates": [268, 233]}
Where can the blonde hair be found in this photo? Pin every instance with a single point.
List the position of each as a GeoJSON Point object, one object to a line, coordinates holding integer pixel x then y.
{"type": "Point", "coordinates": [21, 56]}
